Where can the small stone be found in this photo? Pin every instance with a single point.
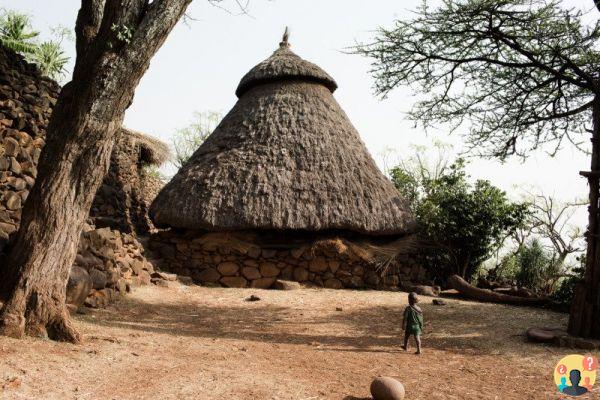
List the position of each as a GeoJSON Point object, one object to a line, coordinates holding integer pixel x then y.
{"type": "Point", "coordinates": [98, 278]}
{"type": "Point", "coordinates": [137, 266]}
{"type": "Point", "coordinates": [438, 302]}
{"type": "Point", "coordinates": [334, 266]}
{"type": "Point", "coordinates": [300, 274]}
{"type": "Point", "coordinates": [262, 283]}
{"type": "Point", "coordinates": [286, 285]}
{"type": "Point", "coordinates": [251, 273]}
{"type": "Point", "coordinates": [96, 299]}
{"type": "Point", "coordinates": [8, 228]}
{"type": "Point", "coordinates": [13, 201]}
{"type": "Point", "coordinates": [228, 268]}
{"type": "Point", "coordinates": [15, 167]}
{"type": "Point", "coordinates": [165, 276]}
{"type": "Point", "coordinates": [11, 147]}
{"type": "Point", "coordinates": [251, 263]}
{"type": "Point", "coordinates": [253, 298]}
{"type": "Point", "coordinates": [254, 252]}
{"type": "Point", "coordinates": [161, 282]}
{"type": "Point", "coordinates": [269, 270]}
{"type": "Point", "coordinates": [333, 284]}
{"type": "Point", "coordinates": [234, 281]}
{"type": "Point", "coordinates": [4, 163]}
{"type": "Point", "coordinates": [185, 280]}
{"type": "Point", "coordinates": [339, 309]}
{"type": "Point", "coordinates": [297, 252]}
{"type": "Point", "coordinates": [269, 253]}
{"type": "Point", "coordinates": [17, 184]}
{"type": "Point", "coordinates": [319, 264]}
{"type": "Point", "coordinates": [209, 275]}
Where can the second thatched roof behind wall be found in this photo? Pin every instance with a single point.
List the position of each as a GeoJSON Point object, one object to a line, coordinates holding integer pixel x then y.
{"type": "Point", "coordinates": [286, 157]}
{"type": "Point", "coordinates": [152, 151]}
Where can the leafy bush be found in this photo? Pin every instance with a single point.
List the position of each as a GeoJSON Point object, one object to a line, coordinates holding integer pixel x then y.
{"type": "Point", "coordinates": [566, 290]}
{"type": "Point", "coordinates": [536, 267]}
{"type": "Point", "coordinates": [461, 222]}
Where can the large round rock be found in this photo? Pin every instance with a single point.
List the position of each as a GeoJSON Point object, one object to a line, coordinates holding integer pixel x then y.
{"type": "Point", "coordinates": [79, 286]}
{"type": "Point", "coordinates": [386, 388]}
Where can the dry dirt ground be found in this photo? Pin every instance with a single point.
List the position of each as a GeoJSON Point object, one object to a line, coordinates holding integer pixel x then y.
{"type": "Point", "coordinates": [204, 343]}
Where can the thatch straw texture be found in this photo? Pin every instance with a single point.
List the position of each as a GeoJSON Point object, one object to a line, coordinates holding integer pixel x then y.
{"type": "Point", "coordinates": [284, 65]}
{"type": "Point", "coordinates": [286, 157]}
{"type": "Point", "coordinates": [152, 151]}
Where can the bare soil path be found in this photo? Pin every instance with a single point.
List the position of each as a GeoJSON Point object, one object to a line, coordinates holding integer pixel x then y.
{"type": "Point", "coordinates": [204, 343]}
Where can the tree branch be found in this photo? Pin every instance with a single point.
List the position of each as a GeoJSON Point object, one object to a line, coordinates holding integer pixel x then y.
{"type": "Point", "coordinates": [89, 19]}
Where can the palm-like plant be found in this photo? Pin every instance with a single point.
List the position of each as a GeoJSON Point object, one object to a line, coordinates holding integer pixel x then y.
{"type": "Point", "coordinates": [16, 33]}
{"type": "Point", "coordinates": [50, 58]}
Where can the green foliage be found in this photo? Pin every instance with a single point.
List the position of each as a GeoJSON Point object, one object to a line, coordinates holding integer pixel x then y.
{"type": "Point", "coordinates": [153, 171]}
{"type": "Point", "coordinates": [124, 33]}
{"type": "Point", "coordinates": [523, 72]}
{"type": "Point", "coordinates": [17, 35]}
{"type": "Point", "coordinates": [507, 269]}
{"type": "Point", "coordinates": [565, 292]}
{"type": "Point", "coordinates": [187, 140]}
{"type": "Point", "coordinates": [537, 267]}
{"type": "Point", "coordinates": [462, 222]}
{"type": "Point", "coordinates": [16, 32]}
{"type": "Point", "coordinates": [50, 59]}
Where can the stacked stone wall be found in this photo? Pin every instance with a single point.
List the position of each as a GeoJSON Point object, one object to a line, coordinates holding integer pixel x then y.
{"type": "Point", "coordinates": [238, 260]}
{"type": "Point", "coordinates": [26, 102]}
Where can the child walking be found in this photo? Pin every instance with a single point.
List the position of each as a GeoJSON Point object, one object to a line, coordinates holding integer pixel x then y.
{"type": "Point", "coordinates": [413, 322]}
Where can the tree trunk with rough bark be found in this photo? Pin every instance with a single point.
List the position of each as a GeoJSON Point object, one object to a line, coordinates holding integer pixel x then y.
{"type": "Point", "coordinates": [80, 136]}
{"type": "Point", "coordinates": [584, 319]}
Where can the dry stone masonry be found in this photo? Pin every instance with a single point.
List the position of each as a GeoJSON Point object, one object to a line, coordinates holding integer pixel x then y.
{"type": "Point", "coordinates": [26, 100]}
{"type": "Point", "coordinates": [109, 262]}
{"type": "Point", "coordinates": [241, 259]}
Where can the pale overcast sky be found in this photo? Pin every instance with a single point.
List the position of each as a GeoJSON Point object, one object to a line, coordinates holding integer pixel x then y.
{"type": "Point", "coordinates": [201, 63]}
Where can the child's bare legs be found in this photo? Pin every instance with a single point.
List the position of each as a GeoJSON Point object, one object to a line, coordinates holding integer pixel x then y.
{"type": "Point", "coordinates": [418, 340]}
{"type": "Point", "coordinates": [406, 337]}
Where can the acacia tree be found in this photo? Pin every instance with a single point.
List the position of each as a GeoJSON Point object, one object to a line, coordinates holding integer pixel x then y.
{"type": "Point", "coordinates": [187, 140]}
{"type": "Point", "coordinates": [525, 73]}
{"type": "Point", "coordinates": [115, 40]}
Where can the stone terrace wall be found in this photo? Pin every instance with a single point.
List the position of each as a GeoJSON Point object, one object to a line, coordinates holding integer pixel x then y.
{"type": "Point", "coordinates": [236, 260]}
{"type": "Point", "coordinates": [26, 101]}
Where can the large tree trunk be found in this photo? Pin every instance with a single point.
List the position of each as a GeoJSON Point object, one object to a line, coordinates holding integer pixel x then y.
{"type": "Point", "coordinates": [584, 319]}
{"type": "Point", "coordinates": [80, 138]}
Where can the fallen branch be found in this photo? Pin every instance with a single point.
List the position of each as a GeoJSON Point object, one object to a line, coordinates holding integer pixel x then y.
{"type": "Point", "coordinates": [470, 291]}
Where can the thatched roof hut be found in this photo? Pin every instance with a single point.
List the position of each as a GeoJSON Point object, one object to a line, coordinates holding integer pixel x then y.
{"type": "Point", "coordinates": [151, 150]}
{"type": "Point", "coordinates": [286, 157]}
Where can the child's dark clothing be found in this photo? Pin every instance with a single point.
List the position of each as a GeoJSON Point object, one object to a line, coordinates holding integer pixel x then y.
{"type": "Point", "coordinates": [413, 319]}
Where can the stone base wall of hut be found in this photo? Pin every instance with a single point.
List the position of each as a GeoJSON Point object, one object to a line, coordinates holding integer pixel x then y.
{"type": "Point", "coordinates": [233, 260]}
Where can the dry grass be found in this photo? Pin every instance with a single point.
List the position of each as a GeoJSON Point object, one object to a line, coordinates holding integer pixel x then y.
{"type": "Point", "coordinates": [201, 343]}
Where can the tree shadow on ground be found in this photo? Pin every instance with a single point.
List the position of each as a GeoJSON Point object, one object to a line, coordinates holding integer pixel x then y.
{"type": "Point", "coordinates": [460, 327]}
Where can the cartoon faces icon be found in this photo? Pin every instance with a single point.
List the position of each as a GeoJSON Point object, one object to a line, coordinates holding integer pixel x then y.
{"type": "Point", "coordinates": [575, 374]}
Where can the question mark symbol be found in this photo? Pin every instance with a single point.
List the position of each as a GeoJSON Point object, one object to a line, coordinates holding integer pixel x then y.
{"type": "Point", "coordinates": [562, 369]}
{"type": "Point", "coordinates": [589, 363]}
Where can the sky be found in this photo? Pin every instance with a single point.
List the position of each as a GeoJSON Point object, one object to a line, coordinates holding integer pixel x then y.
{"type": "Point", "coordinates": [203, 60]}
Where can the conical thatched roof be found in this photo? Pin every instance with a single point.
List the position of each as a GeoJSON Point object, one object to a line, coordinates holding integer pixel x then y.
{"type": "Point", "coordinates": [285, 157]}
